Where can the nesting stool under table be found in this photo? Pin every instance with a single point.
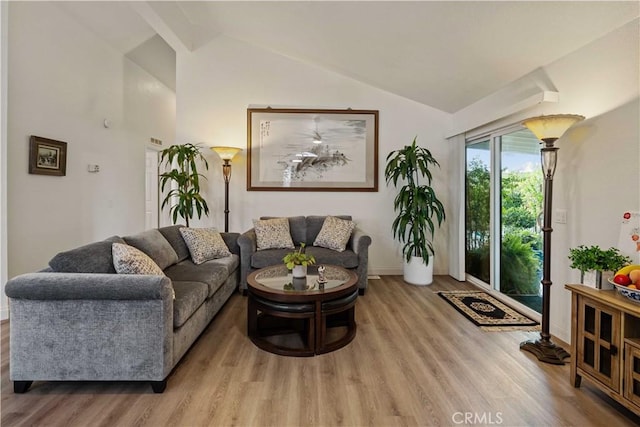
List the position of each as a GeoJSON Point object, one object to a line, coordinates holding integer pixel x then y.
{"type": "Point", "coordinates": [322, 315]}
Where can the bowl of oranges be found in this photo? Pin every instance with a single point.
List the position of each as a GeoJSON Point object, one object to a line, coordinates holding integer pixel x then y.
{"type": "Point", "coordinates": [627, 282]}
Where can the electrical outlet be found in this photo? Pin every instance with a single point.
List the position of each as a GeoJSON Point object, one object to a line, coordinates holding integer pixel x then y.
{"type": "Point", "coordinates": [93, 168]}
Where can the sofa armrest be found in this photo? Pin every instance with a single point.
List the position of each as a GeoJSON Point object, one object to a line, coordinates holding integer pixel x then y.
{"type": "Point", "coordinates": [231, 240]}
{"type": "Point", "coordinates": [248, 245]}
{"type": "Point", "coordinates": [88, 286]}
{"type": "Point", "coordinates": [90, 327]}
{"type": "Point", "coordinates": [359, 241]}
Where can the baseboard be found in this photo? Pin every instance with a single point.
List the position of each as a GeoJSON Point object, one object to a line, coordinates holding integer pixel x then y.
{"type": "Point", "coordinates": [385, 271]}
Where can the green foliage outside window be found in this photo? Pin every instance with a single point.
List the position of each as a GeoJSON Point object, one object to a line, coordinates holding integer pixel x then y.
{"type": "Point", "coordinates": [521, 241]}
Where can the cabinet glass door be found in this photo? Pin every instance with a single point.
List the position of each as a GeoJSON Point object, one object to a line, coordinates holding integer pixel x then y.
{"type": "Point", "coordinates": [598, 343]}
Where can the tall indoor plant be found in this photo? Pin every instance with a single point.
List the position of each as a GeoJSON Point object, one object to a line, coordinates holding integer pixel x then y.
{"type": "Point", "coordinates": [417, 206]}
{"type": "Point", "coordinates": [184, 180]}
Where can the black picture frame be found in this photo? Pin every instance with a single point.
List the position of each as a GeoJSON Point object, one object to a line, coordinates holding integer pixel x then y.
{"type": "Point", "coordinates": [47, 156]}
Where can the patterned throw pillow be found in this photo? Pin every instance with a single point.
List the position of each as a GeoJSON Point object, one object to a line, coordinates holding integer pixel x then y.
{"type": "Point", "coordinates": [273, 233]}
{"type": "Point", "coordinates": [334, 234]}
{"type": "Point", "coordinates": [204, 244]}
{"type": "Point", "coordinates": [129, 260]}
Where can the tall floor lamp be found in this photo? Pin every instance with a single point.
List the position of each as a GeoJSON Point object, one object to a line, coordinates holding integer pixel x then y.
{"type": "Point", "coordinates": [226, 154]}
{"type": "Point", "coordinates": [548, 129]}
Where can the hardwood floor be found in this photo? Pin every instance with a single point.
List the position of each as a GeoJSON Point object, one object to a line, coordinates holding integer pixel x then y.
{"type": "Point", "coordinates": [415, 361]}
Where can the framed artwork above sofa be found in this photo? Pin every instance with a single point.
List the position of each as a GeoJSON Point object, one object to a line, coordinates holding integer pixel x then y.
{"type": "Point", "coordinates": [312, 150]}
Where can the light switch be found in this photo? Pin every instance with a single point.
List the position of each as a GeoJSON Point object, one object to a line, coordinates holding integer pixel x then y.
{"type": "Point", "coordinates": [560, 216]}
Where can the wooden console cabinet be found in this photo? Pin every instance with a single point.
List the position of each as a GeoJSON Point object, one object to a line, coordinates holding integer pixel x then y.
{"type": "Point", "coordinates": [605, 343]}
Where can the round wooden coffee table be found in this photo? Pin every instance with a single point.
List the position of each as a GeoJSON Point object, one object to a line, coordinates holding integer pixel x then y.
{"type": "Point", "coordinates": [320, 317]}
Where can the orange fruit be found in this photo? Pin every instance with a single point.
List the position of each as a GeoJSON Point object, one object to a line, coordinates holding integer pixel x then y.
{"type": "Point", "coordinates": [632, 287]}
{"type": "Point", "coordinates": [634, 275]}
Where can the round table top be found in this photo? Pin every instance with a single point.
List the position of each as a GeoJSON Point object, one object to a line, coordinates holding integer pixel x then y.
{"type": "Point", "coordinates": [278, 284]}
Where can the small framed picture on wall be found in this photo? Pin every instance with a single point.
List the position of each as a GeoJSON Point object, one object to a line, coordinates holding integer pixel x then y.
{"type": "Point", "coordinates": [47, 156]}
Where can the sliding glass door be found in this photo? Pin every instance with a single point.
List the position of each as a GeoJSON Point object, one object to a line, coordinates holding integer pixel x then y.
{"type": "Point", "coordinates": [478, 210]}
{"type": "Point", "coordinates": [503, 205]}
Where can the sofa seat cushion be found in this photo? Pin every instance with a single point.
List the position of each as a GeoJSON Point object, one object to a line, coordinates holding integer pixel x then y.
{"type": "Point", "coordinates": [267, 258]}
{"type": "Point", "coordinates": [346, 259]}
{"type": "Point", "coordinates": [92, 258]}
{"type": "Point", "coordinates": [211, 273]}
{"type": "Point", "coordinates": [189, 296]}
{"type": "Point", "coordinates": [231, 263]}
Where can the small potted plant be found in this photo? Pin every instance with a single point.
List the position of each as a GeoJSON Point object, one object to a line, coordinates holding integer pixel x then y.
{"type": "Point", "coordinates": [297, 261]}
{"type": "Point", "coordinates": [593, 260]}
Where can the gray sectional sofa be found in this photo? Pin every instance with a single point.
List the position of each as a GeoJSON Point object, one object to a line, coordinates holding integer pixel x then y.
{"type": "Point", "coordinates": [78, 320]}
{"type": "Point", "coordinates": [306, 229]}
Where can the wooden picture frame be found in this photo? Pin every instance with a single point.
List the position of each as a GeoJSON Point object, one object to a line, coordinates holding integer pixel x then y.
{"type": "Point", "coordinates": [312, 150]}
{"type": "Point", "coordinates": [47, 156]}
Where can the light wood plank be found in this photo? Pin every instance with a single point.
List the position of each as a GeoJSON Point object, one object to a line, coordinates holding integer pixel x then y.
{"type": "Point", "coordinates": [415, 361]}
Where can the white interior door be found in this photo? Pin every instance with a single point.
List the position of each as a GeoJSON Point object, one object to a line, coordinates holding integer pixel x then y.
{"type": "Point", "coordinates": [151, 190]}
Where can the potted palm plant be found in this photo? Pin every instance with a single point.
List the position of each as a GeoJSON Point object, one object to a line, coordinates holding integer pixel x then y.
{"type": "Point", "coordinates": [417, 207]}
{"type": "Point", "coordinates": [184, 180]}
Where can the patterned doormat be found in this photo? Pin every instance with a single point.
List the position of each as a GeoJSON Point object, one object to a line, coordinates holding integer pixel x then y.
{"type": "Point", "coordinates": [487, 312]}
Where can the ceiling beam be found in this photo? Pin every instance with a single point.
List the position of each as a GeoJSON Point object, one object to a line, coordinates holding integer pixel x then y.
{"type": "Point", "coordinates": [179, 43]}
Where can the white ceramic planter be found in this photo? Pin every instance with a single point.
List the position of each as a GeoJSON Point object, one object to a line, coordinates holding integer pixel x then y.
{"type": "Point", "coordinates": [299, 271]}
{"type": "Point", "coordinates": [417, 273]}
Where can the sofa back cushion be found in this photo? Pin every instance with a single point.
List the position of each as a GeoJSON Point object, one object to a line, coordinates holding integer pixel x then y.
{"type": "Point", "coordinates": [173, 236]}
{"type": "Point", "coordinates": [314, 225]}
{"type": "Point", "coordinates": [92, 258]}
{"type": "Point", "coordinates": [153, 243]}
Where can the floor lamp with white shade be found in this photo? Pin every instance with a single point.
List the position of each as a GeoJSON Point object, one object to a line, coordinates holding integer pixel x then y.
{"type": "Point", "coordinates": [226, 154]}
{"type": "Point", "coordinates": [548, 129]}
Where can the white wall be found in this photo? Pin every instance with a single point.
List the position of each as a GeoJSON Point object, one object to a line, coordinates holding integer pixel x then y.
{"type": "Point", "coordinates": [63, 83]}
{"type": "Point", "coordinates": [218, 82]}
{"type": "Point", "coordinates": [597, 176]}
{"type": "Point", "coordinates": [4, 30]}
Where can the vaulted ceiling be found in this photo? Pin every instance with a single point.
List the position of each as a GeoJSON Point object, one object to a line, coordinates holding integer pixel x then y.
{"type": "Point", "coordinates": [447, 55]}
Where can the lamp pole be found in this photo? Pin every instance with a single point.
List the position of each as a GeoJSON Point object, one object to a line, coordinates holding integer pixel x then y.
{"type": "Point", "coordinates": [226, 154]}
{"type": "Point", "coordinates": [226, 173]}
{"type": "Point", "coordinates": [548, 129]}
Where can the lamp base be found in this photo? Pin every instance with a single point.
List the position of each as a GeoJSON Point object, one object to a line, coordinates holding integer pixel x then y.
{"type": "Point", "coordinates": [545, 351]}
